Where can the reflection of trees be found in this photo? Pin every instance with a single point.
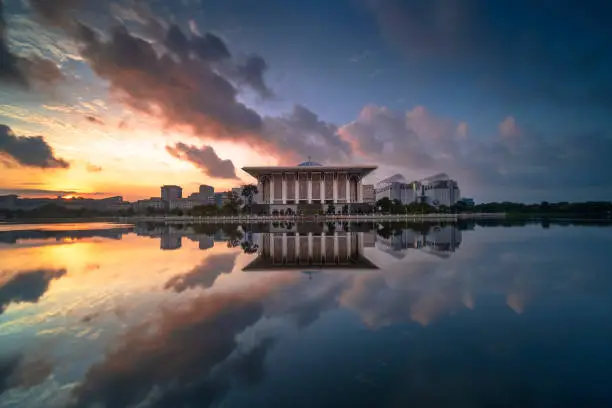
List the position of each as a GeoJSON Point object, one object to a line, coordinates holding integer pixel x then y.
{"type": "Point", "coordinates": [248, 247]}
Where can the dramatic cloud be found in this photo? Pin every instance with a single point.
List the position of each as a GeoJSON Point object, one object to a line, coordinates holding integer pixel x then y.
{"type": "Point", "coordinates": [203, 275]}
{"type": "Point", "coordinates": [188, 91]}
{"type": "Point", "coordinates": [32, 151]}
{"type": "Point", "coordinates": [20, 371]}
{"type": "Point", "coordinates": [186, 355]}
{"type": "Point", "coordinates": [25, 286]}
{"type": "Point", "coordinates": [55, 12]}
{"type": "Point", "coordinates": [22, 71]}
{"type": "Point", "coordinates": [505, 49]}
{"type": "Point", "coordinates": [251, 72]}
{"type": "Point", "coordinates": [423, 144]}
{"type": "Point", "coordinates": [303, 134]}
{"type": "Point", "coordinates": [205, 159]}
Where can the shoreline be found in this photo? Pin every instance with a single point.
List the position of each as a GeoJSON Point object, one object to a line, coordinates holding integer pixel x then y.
{"type": "Point", "coordinates": [314, 218]}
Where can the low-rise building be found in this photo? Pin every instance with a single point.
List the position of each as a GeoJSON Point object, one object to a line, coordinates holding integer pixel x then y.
{"type": "Point", "coordinates": [154, 203]}
{"type": "Point", "coordinates": [369, 194]}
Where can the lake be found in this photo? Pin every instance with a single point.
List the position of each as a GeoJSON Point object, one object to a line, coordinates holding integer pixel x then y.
{"type": "Point", "coordinates": [308, 315]}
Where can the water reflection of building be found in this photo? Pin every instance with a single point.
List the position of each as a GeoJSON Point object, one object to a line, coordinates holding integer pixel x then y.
{"type": "Point", "coordinates": [339, 250]}
{"type": "Point", "coordinates": [438, 240]}
{"type": "Point", "coordinates": [170, 241]}
{"type": "Point", "coordinates": [171, 236]}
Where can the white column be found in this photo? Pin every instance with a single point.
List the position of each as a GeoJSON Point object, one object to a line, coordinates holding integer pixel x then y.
{"type": "Point", "coordinates": [335, 188]}
{"type": "Point", "coordinates": [348, 245]}
{"type": "Point", "coordinates": [310, 245]}
{"type": "Point", "coordinates": [284, 245]}
{"type": "Point", "coordinates": [309, 184]}
{"type": "Point", "coordinates": [348, 189]}
{"type": "Point", "coordinates": [322, 188]}
{"type": "Point", "coordinates": [284, 188]}
{"type": "Point", "coordinates": [335, 246]}
{"type": "Point", "coordinates": [297, 247]}
{"type": "Point", "coordinates": [297, 188]}
{"type": "Point", "coordinates": [323, 253]}
{"type": "Point", "coordinates": [258, 198]}
{"type": "Point", "coordinates": [360, 191]}
{"type": "Point", "coordinates": [271, 198]}
{"type": "Point", "coordinates": [272, 247]}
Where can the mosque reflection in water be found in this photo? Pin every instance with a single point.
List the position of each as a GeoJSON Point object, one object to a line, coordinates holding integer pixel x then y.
{"type": "Point", "coordinates": [334, 245]}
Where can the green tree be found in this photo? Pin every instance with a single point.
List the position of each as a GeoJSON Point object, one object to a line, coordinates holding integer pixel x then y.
{"type": "Point", "coordinates": [232, 205]}
{"type": "Point", "coordinates": [384, 204]}
{"type": "Point", "coordinates": [248, 192]}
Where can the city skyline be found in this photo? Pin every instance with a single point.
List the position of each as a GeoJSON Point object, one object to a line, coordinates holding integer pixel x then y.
{"type": "Point", "coordinates": [103, 99]}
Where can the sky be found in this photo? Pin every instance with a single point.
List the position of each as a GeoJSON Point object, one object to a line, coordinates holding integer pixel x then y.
{"type": "Point", "coordinates": [513, 99]}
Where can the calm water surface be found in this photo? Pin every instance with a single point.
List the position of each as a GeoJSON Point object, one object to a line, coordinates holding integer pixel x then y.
{"type": "Point", "coordinates": [368, 315]}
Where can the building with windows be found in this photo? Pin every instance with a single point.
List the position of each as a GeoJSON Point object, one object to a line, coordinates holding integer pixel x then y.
{"type": "Point", "coordinates": [397, 188]}
{"type": "Point", "coordinates": [169, 193]}
{"type": "Point", "coordinates": [440, 190]}
{"type": "Point", "coordinates": [309, 187]}
{"type": "Point", "coordinates": [154, 203]}
{"type": "Point", "coordinates": [436, 190]}
{"type": "Point", "coordinates": [369, 194]}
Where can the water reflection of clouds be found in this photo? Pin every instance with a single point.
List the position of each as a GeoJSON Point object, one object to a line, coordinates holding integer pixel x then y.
{"type": "Point", "coordinates": [25, 286]}
{"type": "Point", "coordinates": [184, 327]}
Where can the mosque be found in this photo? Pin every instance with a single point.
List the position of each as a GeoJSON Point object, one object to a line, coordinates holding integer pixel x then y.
{"type": "Point", "coordinates": [309, 188]}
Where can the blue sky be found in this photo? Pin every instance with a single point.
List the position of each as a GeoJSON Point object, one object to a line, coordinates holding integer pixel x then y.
{"type": "Point", "coordinates": [510, 98]}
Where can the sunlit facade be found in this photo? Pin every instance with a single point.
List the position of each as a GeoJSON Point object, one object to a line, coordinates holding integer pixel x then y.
{"type": "Point", "coordinates": [309, 185]}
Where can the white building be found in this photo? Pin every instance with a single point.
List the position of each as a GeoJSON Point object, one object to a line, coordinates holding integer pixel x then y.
{"type": "Point", "coordinates": [185, 204]}
{"type": "Point", "coordinates": [436, 190]}
{"type": "Point", "coordinates": [310, 187]}
{"type": "Point", "coordinates": [397, 188]}
{"type": "Point", "coordinates": [440, 190]}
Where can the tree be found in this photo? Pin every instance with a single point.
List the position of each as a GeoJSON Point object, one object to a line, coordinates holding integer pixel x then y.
{"type": "Point", "coordinates": [384, 204]}
{"type": "Point", "coordinates": [248, 192]}
{"type": "Point", "coordinates": [232, 205]}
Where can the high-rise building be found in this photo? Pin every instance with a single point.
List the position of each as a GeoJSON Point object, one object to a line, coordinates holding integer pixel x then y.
{"type": "Point", "coordinates": [206, 191]}
{"type": "Point", "coordinates": [171, 193]}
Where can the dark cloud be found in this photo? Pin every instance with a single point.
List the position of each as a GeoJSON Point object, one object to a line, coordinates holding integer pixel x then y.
{"type": "Point", "coordinates": [205, 274]}
{"type": "Point", "coordinates": [94, 119]}
{"type": "Point", "coordinates": [251, 72]}
{"type": "Point", "coordinates": [55, 12]}
{"type": "Point", "coordinates": [188, 92]}
{"type": "Point", "coordinates": [302, 133]}
{"type": "Point", "coordinates": [25, 286]}
{"type": "Point", "coordinates": [23, 71]}
{"type": "Point", "coordinates": [19, 371]}
{"type": "Point", "coordinates": [32, 151]}
{"type": "Point", "coordinates": [421, 143]}
{"type": "Point", "coordinates": [205, 158]}
{"type": "Point", "coordinates": [522, 50]}
{"type": "Point", "coordinates": [208, 47]}
{"type": "Point", "coordinates": [46, 193]}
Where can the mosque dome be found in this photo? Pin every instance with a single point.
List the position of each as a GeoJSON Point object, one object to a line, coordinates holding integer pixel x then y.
{"type": "Point", "coordinates": [309, 164]}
